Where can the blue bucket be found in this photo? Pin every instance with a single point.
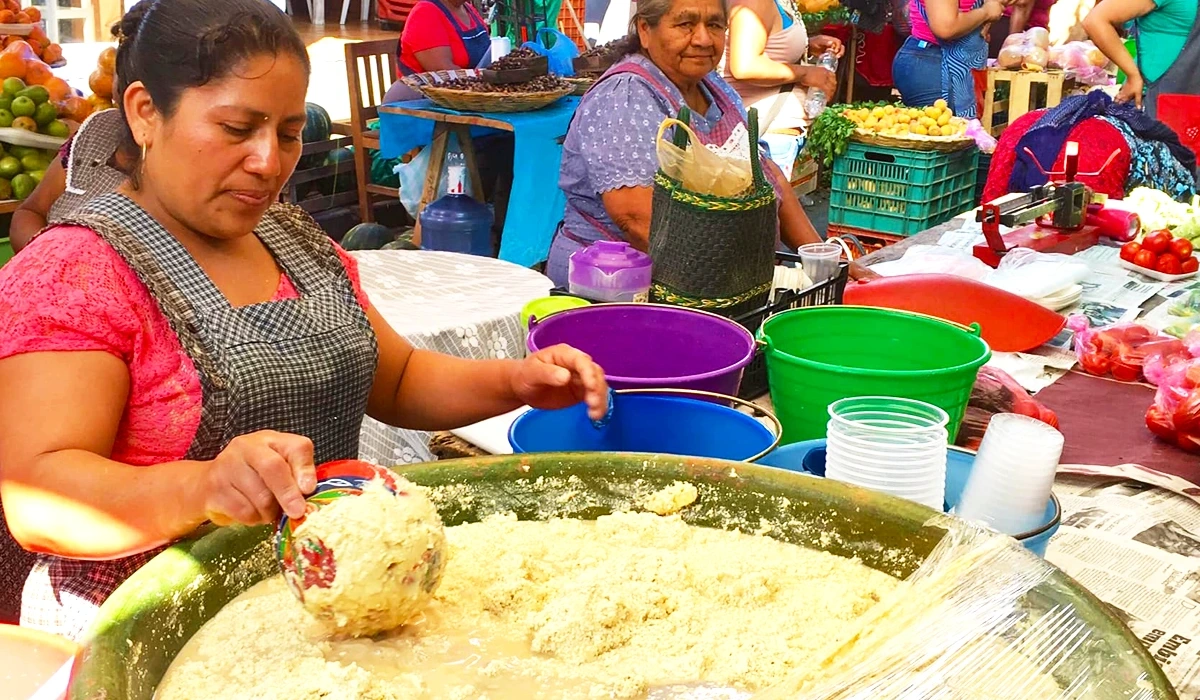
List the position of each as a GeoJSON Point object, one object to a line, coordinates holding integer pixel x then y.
{"type": "Point", "coordinates": [809, 457]}
{"type": "Point", "coordinates": [649, 422]}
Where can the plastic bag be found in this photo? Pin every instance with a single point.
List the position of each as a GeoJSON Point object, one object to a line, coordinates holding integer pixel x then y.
{"type": "Point", "coordinates": [1028, 51]}
{"type": "Point", "coordinates": [699, 168]}
{"type": "Point", "coordinates": [1033, 275]}
{"type": "Point", "coordinates": [1175, 414]}
{"type": "Point", "coordinates": [1121, 350]}
{"type": "Point", "coordinates": [995, 391]}
{"type": "Point", "coordinates": [412, 177]}
{"type": "Point", "coordinates": [559, 50]}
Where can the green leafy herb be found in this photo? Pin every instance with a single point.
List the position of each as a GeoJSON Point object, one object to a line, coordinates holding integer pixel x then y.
{"type": "Point", "coordinates": [829, 135]}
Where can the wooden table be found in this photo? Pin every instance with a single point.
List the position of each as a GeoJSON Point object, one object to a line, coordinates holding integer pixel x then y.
{"type": "Point", "coordinates": [517, 243]}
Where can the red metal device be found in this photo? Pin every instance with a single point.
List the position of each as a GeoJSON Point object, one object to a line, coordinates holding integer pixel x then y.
{"type": "Point", "coordinates": [1061, 215]}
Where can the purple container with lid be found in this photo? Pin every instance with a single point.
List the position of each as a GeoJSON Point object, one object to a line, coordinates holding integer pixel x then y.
{"type": "Point", "coordinates": [610, 271]}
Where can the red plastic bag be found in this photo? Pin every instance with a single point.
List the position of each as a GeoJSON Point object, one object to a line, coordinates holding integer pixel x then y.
{"type": "Point", "coordinates": [1121, 350]}
{"type": "Point", "coordinates": [1175, 414]}
{"type": "Point", "coordinates": [995, 391]}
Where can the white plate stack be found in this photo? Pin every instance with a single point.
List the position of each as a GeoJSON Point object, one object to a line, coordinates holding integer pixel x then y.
{"type": "Point", "coordinates": [893, 445]}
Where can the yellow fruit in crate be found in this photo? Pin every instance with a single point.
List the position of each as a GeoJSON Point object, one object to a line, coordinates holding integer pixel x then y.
{"type": "Point", "coordinates": [889, 109]}
{"type": "Point", "coordinates": [871, 123]}
{"type": "Point", "coordinates": [903, 118]}
{"type": "Point", "coordinates": [935, 131]}
{"type": "Point", "coordinates": [933, 112]}
{"type": "Point", "coordinates": [941, 104]}
{"type": "Point", "coordinates": [944, 119]}
{"type": "Point", "coordinates": [919, 129]}
{"type": "Point", "coordinates": [877, 113]}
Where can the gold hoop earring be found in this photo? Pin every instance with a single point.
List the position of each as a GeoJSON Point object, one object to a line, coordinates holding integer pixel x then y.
{"type": "Point", "coordinates": [143, 151]}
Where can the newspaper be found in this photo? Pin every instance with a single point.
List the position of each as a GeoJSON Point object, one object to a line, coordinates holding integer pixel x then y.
{"type": "Point", "coordinates": [1038, 368]}
{"type": "Point", "coordinates": [1135, 547]}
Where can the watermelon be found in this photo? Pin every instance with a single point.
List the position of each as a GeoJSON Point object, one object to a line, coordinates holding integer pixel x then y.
{"type": "Point", "coordinates": [368, 237]}
{"type": "Point", "coordinates": [344, 180]}
{"type": "Point", "coordinates": [317, 128]}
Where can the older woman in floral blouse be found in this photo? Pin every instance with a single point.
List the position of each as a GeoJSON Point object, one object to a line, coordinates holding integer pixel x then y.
{"type": "Point", "coordinates": [609, 155]}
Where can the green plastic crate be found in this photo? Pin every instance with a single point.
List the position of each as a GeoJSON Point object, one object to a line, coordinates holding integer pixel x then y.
{"type": "Point", "coordinates": [901, 192]}
{"type": "Point", "coordinates": [6, 251]}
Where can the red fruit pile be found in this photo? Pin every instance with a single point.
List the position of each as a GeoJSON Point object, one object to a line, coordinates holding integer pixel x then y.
{"type": "Point", "coordinates": [1162, 252]}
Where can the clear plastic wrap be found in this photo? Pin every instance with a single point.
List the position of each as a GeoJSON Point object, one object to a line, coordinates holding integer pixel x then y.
{"type": "Point", "coordinates": [997, 392]}
{"type": "Point", "coordinates": [976, 621]}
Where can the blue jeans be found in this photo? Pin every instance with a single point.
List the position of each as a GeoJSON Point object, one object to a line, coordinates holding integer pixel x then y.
{"type": "Point", "coordinates": [917, 72]}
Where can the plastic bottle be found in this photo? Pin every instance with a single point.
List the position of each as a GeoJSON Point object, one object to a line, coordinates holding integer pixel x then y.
{"type": "Point", "coordinates": [457, 223]}
{"type": "Point", "coordinates": [815, 104]}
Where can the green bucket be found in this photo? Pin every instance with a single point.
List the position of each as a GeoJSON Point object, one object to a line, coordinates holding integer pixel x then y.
{"type": "Point", "coordinates": [818, 355]}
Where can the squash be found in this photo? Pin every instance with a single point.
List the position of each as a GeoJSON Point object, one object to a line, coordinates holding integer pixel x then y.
{"type": "Point", "coordinates": [367, 237]}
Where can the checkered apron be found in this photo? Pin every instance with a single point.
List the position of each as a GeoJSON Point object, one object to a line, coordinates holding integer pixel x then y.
{"type": "Point", "coordinates": [300, 366]}
{"type": "Point", "coordinates": [89, 174]}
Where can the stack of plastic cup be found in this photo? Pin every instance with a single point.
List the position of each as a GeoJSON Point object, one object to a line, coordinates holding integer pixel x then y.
{"type": "Point", "coordinates": [893, 445]}
{"type": "Point", "coordinates": [820, 261]}
{"type": "Point", "coordinates": [1013, 474]}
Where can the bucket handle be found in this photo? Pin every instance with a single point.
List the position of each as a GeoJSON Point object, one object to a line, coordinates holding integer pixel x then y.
{"type": "Point", "coordinates": [763, 340]}
{"type": "Point", "coordinates": [696, 393]}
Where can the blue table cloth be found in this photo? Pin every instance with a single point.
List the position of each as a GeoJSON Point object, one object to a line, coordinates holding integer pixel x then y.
{"type": "Point", "coordinates": [536, 203]}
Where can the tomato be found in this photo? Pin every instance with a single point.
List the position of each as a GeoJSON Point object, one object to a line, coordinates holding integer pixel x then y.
{"type": "Point", "coordinates": [1157, 242]}
{"type": "Point", "coordinates": [1130, 250]}
{"type": "Point", "coordinates": [1159, 423]}
{"type": "Point", "coordinates": [1125, 371]}
{"type": "Point", "coordinates": [1181, 247]}
{"type": "Point", "coordinates": [1168, 264]}
{"type": "Point", "coordinates": [1145, 258]}
{"type": "Point", "coordinates": [1096, 364]}
{"type": "Point", "coordinates": [1189, 265]}
{"type": "Point", "coordinates": [1187, 414]}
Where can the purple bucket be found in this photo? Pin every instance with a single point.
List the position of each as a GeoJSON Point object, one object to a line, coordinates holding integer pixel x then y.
{"type": "Point", "coordinates": [649, 346]}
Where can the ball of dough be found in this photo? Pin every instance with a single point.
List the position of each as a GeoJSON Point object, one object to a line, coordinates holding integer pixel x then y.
{"type": "Point", "coordinates": [387, 555]}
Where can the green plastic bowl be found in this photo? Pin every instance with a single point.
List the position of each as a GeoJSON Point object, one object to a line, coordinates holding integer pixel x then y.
{"type": "Point", "coordinates": [818, 355]}
{"type": "Point", "coordinates": [147, 621]}
{"type": "Point", "coordinates": [548, 306]}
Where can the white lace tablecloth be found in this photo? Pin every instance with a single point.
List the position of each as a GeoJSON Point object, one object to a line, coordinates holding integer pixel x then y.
{"type": "Point", "coordinates": [460, 305]}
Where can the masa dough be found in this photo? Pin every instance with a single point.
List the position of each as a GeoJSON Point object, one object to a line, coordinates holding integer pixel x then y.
{"type": "Point", "coordinates": [389, 555]}
{"type": "Point", "coordinates": [557, 610]}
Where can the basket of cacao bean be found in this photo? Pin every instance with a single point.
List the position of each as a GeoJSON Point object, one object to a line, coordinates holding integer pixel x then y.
{"type": "Point", "coordinates": [474, 94]}
{"type": "Point", "coordinates": [519, 66]}
{"type": "Point", "coordinates": [593, 62]}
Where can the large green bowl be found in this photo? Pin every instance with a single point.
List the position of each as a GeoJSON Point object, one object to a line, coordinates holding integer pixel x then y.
{"type": "Point", "coordinates": [148, 620]}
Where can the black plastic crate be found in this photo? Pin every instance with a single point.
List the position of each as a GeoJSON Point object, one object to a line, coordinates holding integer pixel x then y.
{"type": "Point", "coordinates": [754, 378]}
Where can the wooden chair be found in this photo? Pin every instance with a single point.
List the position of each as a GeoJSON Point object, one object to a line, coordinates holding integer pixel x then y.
{"type": "Point", "coordinates": [370, 71]}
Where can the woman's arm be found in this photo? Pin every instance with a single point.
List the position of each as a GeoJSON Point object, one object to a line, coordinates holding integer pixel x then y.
{"type": "Point", "coordinates": [748, 61]}
{"type": "Point", "coordinates": [629, 208]}
{"type": "Point", "coordinates": [1101, 26]}
{"type": "Point", "coordinates": [947, 23]}
{"type": "Point", "coordinates": [63, 495]}
{"type": "Point", "coordinates": [1022, 10]}
{"type": "Point", "coordinates": [438, 58]}
{"type": "Point", "coordinates": [30, 218]}
{"type": "Point", "coordinates": [424, 390]}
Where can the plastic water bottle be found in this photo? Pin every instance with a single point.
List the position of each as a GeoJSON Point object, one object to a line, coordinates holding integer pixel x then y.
{"type": "Point", "coordinates": [815, 104]}
{"type": "Point", "coordinates": [457, 223]}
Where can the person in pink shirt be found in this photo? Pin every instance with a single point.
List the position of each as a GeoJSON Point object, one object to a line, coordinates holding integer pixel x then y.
{"type": "Point", "coordinates": [185, 349]}
{"type": "Point", "coordinates": [947, 42]}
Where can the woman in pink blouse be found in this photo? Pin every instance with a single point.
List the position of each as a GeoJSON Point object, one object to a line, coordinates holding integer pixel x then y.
{"type": "Point", "coordinates": [184, 349]}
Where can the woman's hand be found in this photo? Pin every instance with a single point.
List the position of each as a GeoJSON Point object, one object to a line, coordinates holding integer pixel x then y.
{"type": "Point", "coordinates": [859, 273]}
{"type": "Point", "coordinates": [256, 476]}
{"type": "Point", "coordinates": [1132, 90]}
{"type": "Point", "coordinates": [820, 44]}
{"type": "Point", "coordinates": [561, 376]}
{"type": "Point", "coordinates": [993, 10]}
{"type": "Point", "coordinates": [820, 78]}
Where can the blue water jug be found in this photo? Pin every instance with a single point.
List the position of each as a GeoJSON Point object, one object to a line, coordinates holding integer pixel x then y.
{"type": "Point", "coordinates": [457, 223]}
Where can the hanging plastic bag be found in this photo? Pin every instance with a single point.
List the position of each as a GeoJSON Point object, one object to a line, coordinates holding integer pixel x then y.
{"type": "Point", "coordinates": [698, 168]}
{"type": "Point", "coordinates": [558, 49]}
{"type": "Point", "coordinates": [412, 177]}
